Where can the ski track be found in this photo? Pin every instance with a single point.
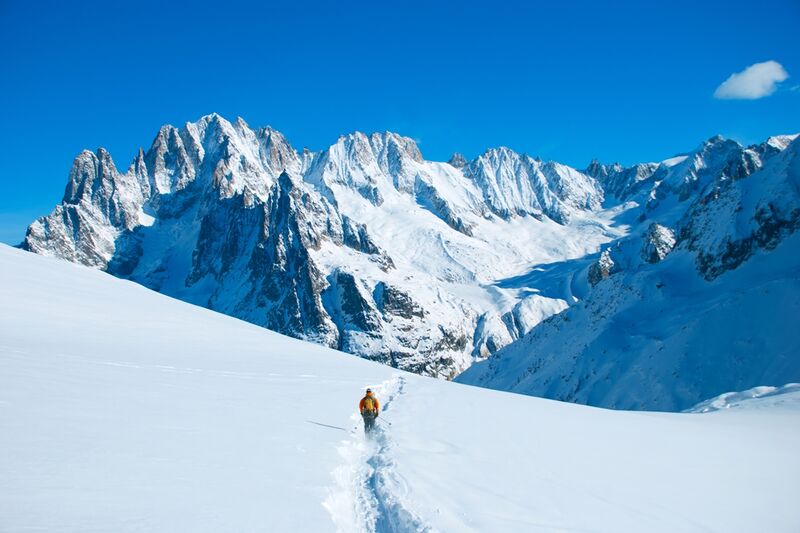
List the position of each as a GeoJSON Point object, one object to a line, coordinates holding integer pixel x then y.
{"type": "Point", "coordinates": [369, 495]}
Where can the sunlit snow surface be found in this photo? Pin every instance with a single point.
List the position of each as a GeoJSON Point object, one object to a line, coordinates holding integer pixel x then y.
{"type": "Point", "coordinates": [124, 410]}
{"type": "Point", "coordinates": [757, 396]}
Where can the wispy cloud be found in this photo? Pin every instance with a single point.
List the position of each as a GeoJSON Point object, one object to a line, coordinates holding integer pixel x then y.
{"type": "Point", "coordinates": [754, 82]}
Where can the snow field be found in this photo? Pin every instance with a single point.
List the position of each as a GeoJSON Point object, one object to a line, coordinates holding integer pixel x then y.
{"type": "Point", "coordinates": [368, 494]}
{"type": "Point", "coordinates": [124, 410]}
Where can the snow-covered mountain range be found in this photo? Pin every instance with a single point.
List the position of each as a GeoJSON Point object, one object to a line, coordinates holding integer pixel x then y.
{"type": "Point", "coordinates": [701, 297]}
{"type": "Point", "coordinates": [364, 246]}
{"type": "Point", "coordinates": [428, 266]}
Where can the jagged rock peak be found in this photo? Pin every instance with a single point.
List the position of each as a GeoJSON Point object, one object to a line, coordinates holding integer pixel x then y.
{"type": "Point", "coordinates": [658, 242]}
{"type": "Point", "coordinates": [599, 170]}
{"type": "Point", "coordinates": [380, 143]}
{"type": "Point", "coordinates": [457, 160]}
{"type": "Point", "coordinates": [516, 184]}
{"type": "Point", "coordinates": [87, 167]}
{"type": "Point", "coordinates": [500, 151]}
{"type": "Point", "coordinates": [718, 143]}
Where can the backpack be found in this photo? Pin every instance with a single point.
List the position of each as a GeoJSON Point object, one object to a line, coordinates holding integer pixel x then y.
{"type": "Point", "coordinates": [369, 404]}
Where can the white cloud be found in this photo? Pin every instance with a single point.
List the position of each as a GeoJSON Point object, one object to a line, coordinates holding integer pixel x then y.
{"type": "Point", "coordinates": [754, 82]}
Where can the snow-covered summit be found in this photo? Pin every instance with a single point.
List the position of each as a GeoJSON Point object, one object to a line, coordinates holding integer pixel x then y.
{"type": "Point", "coordinates": [327, 245]}
{"type": "Point", "coordinates": [781, 142]}
{"type": "Point", "coordinates": [517, 184]}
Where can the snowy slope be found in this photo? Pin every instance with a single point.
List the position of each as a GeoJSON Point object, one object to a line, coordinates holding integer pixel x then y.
{"type": "Point", "coordinates": [124, 410]}
{"type": "Point", "coordinates": [759, 397]}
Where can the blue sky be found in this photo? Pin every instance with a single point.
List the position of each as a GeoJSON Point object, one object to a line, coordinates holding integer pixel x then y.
{"type": "Point", "coordinates": [624, 82]}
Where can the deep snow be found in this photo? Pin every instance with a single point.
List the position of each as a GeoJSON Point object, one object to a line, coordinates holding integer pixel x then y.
{"type": "Point", "coordinates": [124, 410]}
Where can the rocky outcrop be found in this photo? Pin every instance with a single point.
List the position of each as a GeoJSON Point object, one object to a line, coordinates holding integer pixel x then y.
{"type": "Point", "coordinates": [393, 301]}
{"type": "Point", "coordinates": [457, 160]}
{"type": "Point", "coordinates": [354, 303]}
{"type": "Point", "coordinates": [620, 182]}
{"type": "Point", "coordinates": [602, 268]}
{"type": "Point", "coordinates": [762, 212]}
{"type": "Point", "coordinates": [658, 242]}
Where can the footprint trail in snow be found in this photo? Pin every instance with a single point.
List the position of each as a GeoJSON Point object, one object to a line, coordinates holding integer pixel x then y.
{"type": "Point", "coordinates": [369, 495]}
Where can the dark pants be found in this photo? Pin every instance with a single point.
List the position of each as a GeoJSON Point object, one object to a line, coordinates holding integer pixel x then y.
{"type": "Point", "coordinates": [369, 422]}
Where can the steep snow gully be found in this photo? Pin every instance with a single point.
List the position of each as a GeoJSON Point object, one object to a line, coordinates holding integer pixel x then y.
{"type": "Point", "coordinates": [368, 493]}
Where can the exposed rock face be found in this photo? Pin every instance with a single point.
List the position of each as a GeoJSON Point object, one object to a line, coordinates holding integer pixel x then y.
{"type": "Point", "coordinates": [393, 301]}
{"type": "Point", "coordinates": [761, 213]}
{"type": "Point", "coordinates": [286, 283]}
{"type": "Point", "coordinates": [428, 196]}
{"type": "Point", "coordinates": [621, 182]}
{"type": "Point", "coordinates": [659, 241]}
{"type": "Point", "coordinates": [601, 269]}
{"type": "Point", "coordinates": [457, 160]}
{"type": "Point", "coordinates": [99, 203]}
{"type": "Point", "coordinates": [490, 335]}
{"type": "Point", "coordinates": [355, 306]}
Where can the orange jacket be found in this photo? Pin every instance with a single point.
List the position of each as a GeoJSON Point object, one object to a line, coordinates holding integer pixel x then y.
{"type": "Point", "coordinates": [376, 404]}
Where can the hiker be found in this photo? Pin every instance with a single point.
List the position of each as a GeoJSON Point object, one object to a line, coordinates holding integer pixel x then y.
{"type": "Point", "coordinates": [369, 408]}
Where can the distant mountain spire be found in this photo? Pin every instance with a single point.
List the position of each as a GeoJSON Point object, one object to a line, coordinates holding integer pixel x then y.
{"type": "Point", "coordinates": [457, 160]}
